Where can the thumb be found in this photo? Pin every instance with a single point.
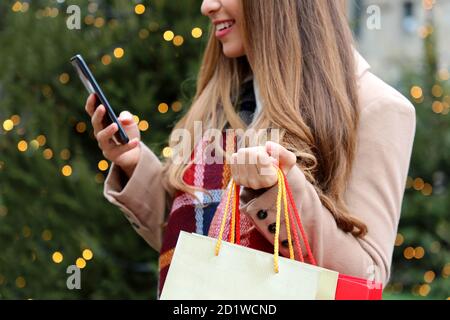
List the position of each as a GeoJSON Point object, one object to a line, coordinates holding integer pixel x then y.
{"type": "Point", "coordinates": [126, 118]}
{"type": "Point", "coordinates": [286, 159]}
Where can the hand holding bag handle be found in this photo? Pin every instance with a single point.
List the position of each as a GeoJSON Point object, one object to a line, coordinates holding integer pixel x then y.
{"type": "Point", "coordinates": [284, 193]}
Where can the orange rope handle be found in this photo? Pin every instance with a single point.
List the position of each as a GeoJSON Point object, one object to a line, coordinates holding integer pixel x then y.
{"type": "Point", "coordinates": [238, 214]}
{"type": "Point", "coordinates": [276, 243]}
{"type": "Point", "coordinates": [231, 235]}
{"type": "Point", "coordinates": [286, 218]}
{"type": "Point", "coordinates": [224, 219]}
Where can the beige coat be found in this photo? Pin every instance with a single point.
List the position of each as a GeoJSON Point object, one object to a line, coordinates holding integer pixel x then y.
{"type": "Point", "coordinates": [375, 192]}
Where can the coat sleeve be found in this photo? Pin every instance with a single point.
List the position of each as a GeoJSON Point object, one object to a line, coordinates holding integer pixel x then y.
{"type": "Point", "coordinates": [374, 195]}
{"type": "Point", "coordinates": [143, 198]}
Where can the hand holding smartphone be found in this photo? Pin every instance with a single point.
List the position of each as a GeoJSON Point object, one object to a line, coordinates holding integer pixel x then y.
{"type": "Point", "coordinates": [118, 137]}
{"type": "Point", "coordinates": [92, 87]}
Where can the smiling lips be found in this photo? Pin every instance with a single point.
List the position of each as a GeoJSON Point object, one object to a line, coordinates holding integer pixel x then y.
{"type": "Point", "coordinates": [224, 27]}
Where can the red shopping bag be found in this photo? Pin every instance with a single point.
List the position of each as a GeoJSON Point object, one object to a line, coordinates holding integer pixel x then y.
{"type": "Point", "coordinates": [348, 287]}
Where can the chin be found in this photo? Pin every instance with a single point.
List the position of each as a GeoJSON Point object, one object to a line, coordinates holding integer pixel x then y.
{"type": "Point", "coordinates": [233, 52]}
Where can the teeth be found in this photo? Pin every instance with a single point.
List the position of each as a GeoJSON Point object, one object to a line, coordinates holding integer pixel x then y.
{"type": "Point", "coordinates": [224, 25]}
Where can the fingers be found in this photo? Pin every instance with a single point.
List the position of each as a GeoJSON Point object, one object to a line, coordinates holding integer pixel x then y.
{"type": "Point", "coordinates": [126, 118]}
{"type": "Point", "coordinates": [253, 168]}
{"type": "Point", "coordinates": [115, 152]}
{"type": "Point", "coordinates": [90, 105]}
{"type": "Point", "coordinates": [110, 149]}
{"type": "Point", "coordinates": [104, 136]}
{"type": "Point", "coordinates": [97, 119]}
{"type": "Point", "coordinates": [285, 158]}
{"type": "Point", "coordinates": [266, 169]}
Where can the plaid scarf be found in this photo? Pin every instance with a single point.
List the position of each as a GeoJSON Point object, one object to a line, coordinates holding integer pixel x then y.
{"type": "Point", "coordinates": [203, 215]}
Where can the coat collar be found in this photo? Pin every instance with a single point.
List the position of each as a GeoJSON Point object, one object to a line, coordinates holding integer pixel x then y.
{"type": "Point", "coordinates": [362, 66]}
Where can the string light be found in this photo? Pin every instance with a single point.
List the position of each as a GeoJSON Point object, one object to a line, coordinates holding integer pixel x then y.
{"type": "Point", "coordinates": [22, 146]}
{"type": "Point", "coordinates": [419, 252]}
{"type": "Point", "coordinates": [20, 282]}
{"type": "Point", "coordinates": [143, 125]}
{"type": "Point", "coordinates": [106, 59]}
{"type": "Point", "coordinates": [446, 271]}
{"type": "Point", "coordinates": [80, 263]}
{"type": "Point", "coordinates": [17, 6]}
{"type": "Point", "coordinates": [409, 183]}
{"type": "Point", "coordinates": [8, 125]}
{"type": "Point", "coordinates": [47, 91]}
{"type": "Point", "coordinates": [416, 92]}
{"type": "Point", "coordinates": [87, 254]}
{"type": "Point", "coordinates": [34, 144]}
{"type": "Point", "coordinates": [139, 9]}
{"type": "Point", "coordinates": [167, 152]}
{"type": "Point", "coordinates": [26, 231]}
{"type": "Point", "coordinates": [427, 189]}
{"type": "Point", "coordinates": [177, 106]}
{"type": "Point", "coordinates": [429, 276]}
{"type": "Point", "coordinates": [64, 78]}
{"type": "Point", "coordinates": [46, 235]}
{"type": "Point", "coordinates": [444, 74]}
{"type": "Point", "coordinates": [66, 171]}
{"type": "Point", "coordinates": [399, 240]}
{"type": "Point", "coordinates": [41, 139]}
{"type": "Point", "coordinates": [48, 154]}
{"type": "Point", "coordinates": [163, 108]}
{"type": "Point", "coordinates": [168, 35]}
{"type": "Point", "coordinates": [418, 184]}
{"type": "Point", "coordinates": [196, 32]}
{"type": "Point", "coordinates": [92, 7]}
{"type": "Point", "coordinates": [99, 178]}
{"type": "Point", "coordinates": [424, 290]}
{"type": "Point", "coordinates": [144, 33]}
{"type": "Point", "coordinates": [136, 119]}
{"type": "Point", "coordinates": [103, 165]}
{"type": "Point", "coordinates": [65, 154]}
{"type": "Point", "coordinates": [178, 41]}
{"type": "Point", "coordinates": [119, 53]}
{"type": "Point", "coordinates": [435, 247]}
{"type": "Point", "coordinates": [15, 119]}
{"type": "Point", "coordinates": [409, 253]}
{"type": "Point", "coordinates": [57, 257]}
{"type": "Point", "coordinates": [80, 127]}
{"type": "Point", "coordinates": [437, 107]}
{"type": "Point", "coordinates": [53, 12]}
{"type": "Point", "coordinates": [99, 22]}
{"type": "Point", "coordinates": [437, 91]}
{"type": "Point", "coordinates": [89, 19]}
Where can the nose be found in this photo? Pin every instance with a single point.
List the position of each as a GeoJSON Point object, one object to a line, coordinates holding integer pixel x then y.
{"type": "Point", "coordinates": [209, 7]}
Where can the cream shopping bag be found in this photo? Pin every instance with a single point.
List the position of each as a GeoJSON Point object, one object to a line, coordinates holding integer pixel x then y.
{"type": "Point", "coordinates": [204, 268]}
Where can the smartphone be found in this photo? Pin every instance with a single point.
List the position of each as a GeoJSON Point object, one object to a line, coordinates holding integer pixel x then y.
{"type": "Point", "coordinates": [120, 137]}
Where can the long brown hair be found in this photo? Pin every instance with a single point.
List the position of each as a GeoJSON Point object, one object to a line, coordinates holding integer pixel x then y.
{"type": "Point", "coordinates": [301, 55]}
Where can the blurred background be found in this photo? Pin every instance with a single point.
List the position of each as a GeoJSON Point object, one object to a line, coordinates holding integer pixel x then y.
{"type": "Point", "coordinates": [145, 55]}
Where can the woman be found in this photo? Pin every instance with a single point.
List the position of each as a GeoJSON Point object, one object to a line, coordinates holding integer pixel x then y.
{"type": "Point", "coordinates": [346, 140]}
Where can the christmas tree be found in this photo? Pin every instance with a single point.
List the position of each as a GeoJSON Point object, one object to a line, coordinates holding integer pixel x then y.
{"type": "Point", "coordinates": [422, 256]}
{"type": "Point", "coordinates": [145, 55]}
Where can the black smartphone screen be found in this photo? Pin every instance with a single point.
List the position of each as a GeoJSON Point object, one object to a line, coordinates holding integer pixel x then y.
{"type": "Point", "coordinates": [92, 87]}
